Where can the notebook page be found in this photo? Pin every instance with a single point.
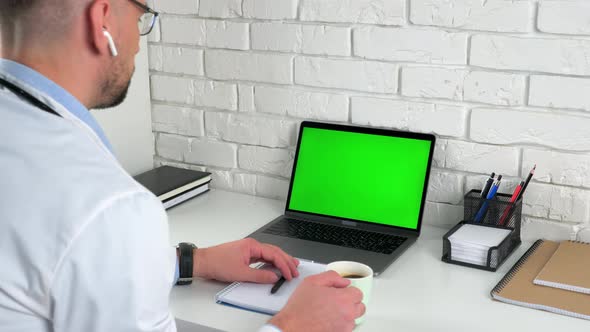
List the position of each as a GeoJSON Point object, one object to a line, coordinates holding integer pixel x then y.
{"type": "Point", "coordinates": [257, 297]}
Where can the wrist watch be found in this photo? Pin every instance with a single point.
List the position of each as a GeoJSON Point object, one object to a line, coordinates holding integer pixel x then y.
{"type": "Point", "coordinates": [185, 263]}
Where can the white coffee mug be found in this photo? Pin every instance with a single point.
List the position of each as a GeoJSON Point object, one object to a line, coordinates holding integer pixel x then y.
{"type": "Point", "coordinates": [360, 276]}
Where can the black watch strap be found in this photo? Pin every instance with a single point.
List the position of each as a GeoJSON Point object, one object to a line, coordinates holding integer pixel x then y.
{"type": "Point", "coordinates": [185, 263]}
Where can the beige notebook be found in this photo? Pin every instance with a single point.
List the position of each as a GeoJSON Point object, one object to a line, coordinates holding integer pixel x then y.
{"type": "Point", "coordinates": [517, 286]}
{"type": "Point", "coordinates": [568, 268]}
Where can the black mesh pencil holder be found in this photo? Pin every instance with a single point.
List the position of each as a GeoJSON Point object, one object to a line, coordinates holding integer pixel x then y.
{"type": "Point", "coordinates": [498, 213]}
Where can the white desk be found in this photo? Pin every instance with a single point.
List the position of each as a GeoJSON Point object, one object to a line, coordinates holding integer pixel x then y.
{"type": "Point", "coordinates": [417, 292]}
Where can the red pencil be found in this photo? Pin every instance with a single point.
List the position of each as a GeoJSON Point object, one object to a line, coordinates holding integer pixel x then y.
{"type": "Point", "coordinates": [513, 199]}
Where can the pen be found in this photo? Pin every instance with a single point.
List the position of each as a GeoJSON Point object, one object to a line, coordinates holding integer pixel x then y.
{"type": "Point", "coordinates": [487, 185]}
{"type": "Point", "coordinates": [526, 182]}
{"type": "Point", "coordinates": [513, 199]}
{"type": "Point", "coordinates": [491, 194]}
{"type": "Point", "coordinates": [277, 285]}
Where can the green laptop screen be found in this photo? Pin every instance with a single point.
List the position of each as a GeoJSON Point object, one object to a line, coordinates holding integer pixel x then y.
{"type": "Point", "coordinates": [366, 177]}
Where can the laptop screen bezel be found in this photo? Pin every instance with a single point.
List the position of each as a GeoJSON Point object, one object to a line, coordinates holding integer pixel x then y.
{"type": "Point", "coordinates": [372, 131]}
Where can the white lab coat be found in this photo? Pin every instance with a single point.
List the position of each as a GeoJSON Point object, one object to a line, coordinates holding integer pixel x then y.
{"type": "Point", "coordinates": [83, 247]}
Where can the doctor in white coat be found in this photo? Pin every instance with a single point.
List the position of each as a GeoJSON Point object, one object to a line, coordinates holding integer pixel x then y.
{"type": "Point", "coordinates": [83, 247]}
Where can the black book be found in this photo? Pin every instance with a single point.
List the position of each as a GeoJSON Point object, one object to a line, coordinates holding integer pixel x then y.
{"type": "Point", "coordinates": [167, 182]}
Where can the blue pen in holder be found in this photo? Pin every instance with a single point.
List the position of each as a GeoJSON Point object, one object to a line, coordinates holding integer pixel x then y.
{"type": "Point", "coordinates": [495, 212]}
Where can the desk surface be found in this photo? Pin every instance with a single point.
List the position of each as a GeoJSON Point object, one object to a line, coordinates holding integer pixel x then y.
{"type": "Point", "coordinates": [417, 292]}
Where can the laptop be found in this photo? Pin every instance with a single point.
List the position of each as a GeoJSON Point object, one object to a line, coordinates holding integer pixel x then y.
{"type": "Point", "coordinates": [356, 193]}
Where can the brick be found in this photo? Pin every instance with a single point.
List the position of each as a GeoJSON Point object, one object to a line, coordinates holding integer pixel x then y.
{"type": "Point", "coordinates": [209, 33]}
{"type": "Point", "coordinates": [171, 146]}
{"type": "Point", "coordinates": [442, 214]}
{"type": "Point", "coordinates": [226, 34]}
{"type": "Point", "coordinates": [177, 6]}
{"type": "Point", "coordinates": [221, 179]}
{"type": "Point", "coordinates": [326, 40]}
{"type": "Point", "coordinates": [172, 89]}
{"type": "Point", "coordinates": [410, 44]}
{"type": "Point", "coordinates": [491, 15]}
{"type": "Point", "coordinates": [244, 183]}
{"type": "Point", "coordinates": [155, 57]}
{"type": "Point", "coordinates": [431, 82]}
{"type": "Point", "coordinates": [301, 104]}
{"type": "Point", "coordinates": [242, 128]}
{"type": "Point", "coordinates": [559, 56]}
{"type": "Point", "coordinates": [270, 9]}
{"type": "Point", "coordinates": [462, 85]}
{"type": "Point", "coordinates": [445, 187]}
{"type": "Point", "coordinates": [179, 60]}
{"type": "Point", "coordinates": [220, 8]}
{"type": "Point", "coordinates": [346, 74]}
{"type": "Point", "coordinates": [558, 167]}
{"type": "Point", "coordinates": [177, 120]}
{"type": "Point", "coordinates": [212, 153]}
{"type": "Point", "coordinates": [309, 39]}
{"type": "Point", "coordinates": [383, 12]}
{"type": "Point", "coordinates": [216, 94]}
{"type": "Point", "coordinates": [246, 98]}
{"type": "Point", "coordinates": [535, 228]}
{"type": "Point", "coordinates": [560, 92]}
{"type": "Point", "coordinates": [182, 30]}
{"type": "Point", "coordinates": [265, 160]}
{"type": "Point", "coordinates": [473, 157]}
{"type": "Point", "coordinates": [231, 65]}
{"type": "Point", "coordinates": [494, 88]}
{"type": "Point", "coordinates": [271, 187]}
{"type": "Point", "coordinates": [510, 127]}
{"type": "Point", "coordinates": [558, 203]}
{"type": "Point", "coordinates": [567, 17]}
{"type": "Point", "coordinates": [413, 116]}
{"type": "Point", "coordinates": [270, 36]}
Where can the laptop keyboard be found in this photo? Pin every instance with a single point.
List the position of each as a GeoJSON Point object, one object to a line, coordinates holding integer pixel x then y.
{"type": "Point", "coordinates": [340, 236]}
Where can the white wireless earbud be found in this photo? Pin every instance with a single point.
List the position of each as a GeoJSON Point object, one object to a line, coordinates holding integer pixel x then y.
{"type": "Point", "coordinates": [112, 46]}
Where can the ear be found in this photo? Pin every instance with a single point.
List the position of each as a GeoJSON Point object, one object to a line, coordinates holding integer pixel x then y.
{"type": "Point", "coordinates": [99, 18]}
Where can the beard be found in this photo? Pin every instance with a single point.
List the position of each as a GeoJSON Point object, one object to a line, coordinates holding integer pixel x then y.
{"type": "Point", "coordinates": [114, 88]}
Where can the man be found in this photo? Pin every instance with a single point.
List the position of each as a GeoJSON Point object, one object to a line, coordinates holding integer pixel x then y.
{"type": "Point", "coordinates": [84, 247]}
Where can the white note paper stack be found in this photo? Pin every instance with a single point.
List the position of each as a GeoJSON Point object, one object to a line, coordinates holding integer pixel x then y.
{"type": "Point", "coordinates": [471, 243]}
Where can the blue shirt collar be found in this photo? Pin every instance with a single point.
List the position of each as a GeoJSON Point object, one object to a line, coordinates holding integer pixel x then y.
{"type": "Point", "coordinates": [54, 91]}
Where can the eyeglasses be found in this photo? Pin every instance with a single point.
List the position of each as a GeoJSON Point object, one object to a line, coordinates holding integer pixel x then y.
{"type": "Point", "coordinates": [147, 20]}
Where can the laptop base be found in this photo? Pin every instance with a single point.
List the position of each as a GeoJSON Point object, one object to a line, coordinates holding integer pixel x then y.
{"type": "Point", "coordinates": [327, 253]}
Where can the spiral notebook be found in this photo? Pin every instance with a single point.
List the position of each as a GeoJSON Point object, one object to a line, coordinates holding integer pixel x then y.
{"type": "Point", "coordinates": [517, 286]}
{"type": "Point", "coordinates": [568, 268]}
{"type": "Point", "coordinates": [257, 297]}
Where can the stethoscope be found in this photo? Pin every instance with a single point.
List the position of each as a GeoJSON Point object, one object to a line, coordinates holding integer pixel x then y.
{"type": "Point", "coordinates": [27, 96]}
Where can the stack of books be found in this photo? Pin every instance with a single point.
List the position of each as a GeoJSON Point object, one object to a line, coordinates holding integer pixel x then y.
{"type": "Point", "coordinates": [471, 243]}
{"type": "Point", "coordinates": [174, 185]}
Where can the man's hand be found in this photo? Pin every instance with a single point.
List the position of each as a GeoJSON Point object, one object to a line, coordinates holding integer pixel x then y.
{"type": "Point", "coordinates": [321, 303]}
{"type": "Point", "coordinates": [231, 262]}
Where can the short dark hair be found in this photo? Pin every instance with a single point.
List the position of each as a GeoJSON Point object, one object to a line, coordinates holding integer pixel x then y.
{"type": "Point", "coordinates": [13, 8]}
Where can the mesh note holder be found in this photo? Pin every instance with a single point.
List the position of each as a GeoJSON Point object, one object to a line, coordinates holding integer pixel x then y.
{"type": "Point", "coordinates": [497, 213]}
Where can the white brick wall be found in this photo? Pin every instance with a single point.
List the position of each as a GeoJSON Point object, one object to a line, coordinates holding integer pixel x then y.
{"type": "Point", "coordinates": [491, 15]}
{"type": "Point", "coordinates": [367, 76]}
{"type": "Point", "coordinates": [504, 84]}
{"type": "Point", "coordinates": [564, 17]}
{"type": "Point", "coordinates": [410, 44]}
{"type": "Point", "coordinates": [383, 12]}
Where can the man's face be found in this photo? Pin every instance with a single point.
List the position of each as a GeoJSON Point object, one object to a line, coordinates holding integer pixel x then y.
{"type": "Point", "coordinates": [117, 76]}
